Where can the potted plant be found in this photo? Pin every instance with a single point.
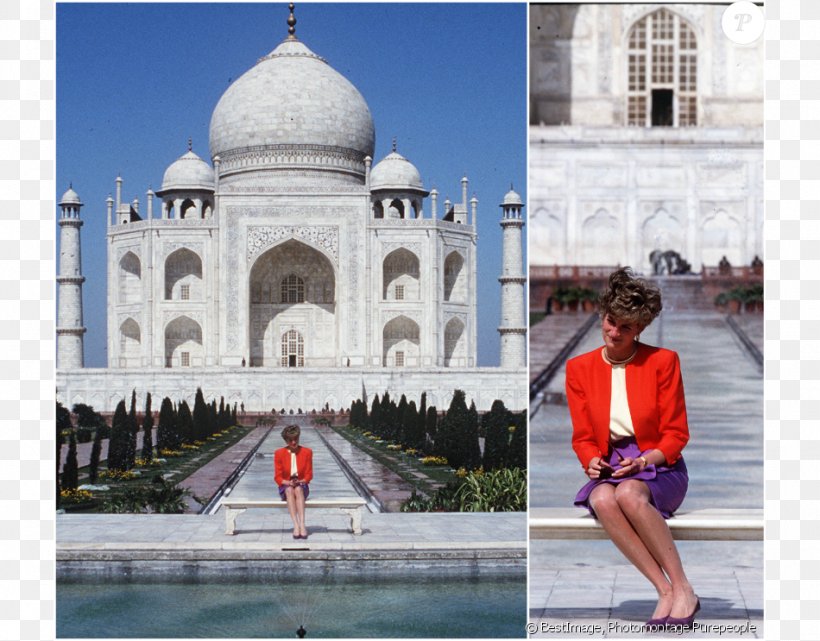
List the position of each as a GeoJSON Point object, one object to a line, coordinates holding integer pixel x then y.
{"type": "Point", "coordinates": [736, 296]}
{"type": "Point", "coordinates": [573, 298]}
{"type": "Point", "coordinates": [559, 299]}
{"type": "Point", "coordinates": [589, 298]}
{"type": "Point", "coordinates": [722, 302]}
{"type": "Point", "coordinates": [754, 298]}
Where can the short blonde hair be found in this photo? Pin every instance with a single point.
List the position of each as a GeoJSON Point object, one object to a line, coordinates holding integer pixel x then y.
{"type": "Point", "coordinates": [291, 432]}
{"type": "Point", "coordinates": [629, 298]}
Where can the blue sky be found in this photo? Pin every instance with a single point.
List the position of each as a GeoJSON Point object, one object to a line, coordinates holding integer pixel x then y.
{"type": "Point", "coordinates": [135, 81]}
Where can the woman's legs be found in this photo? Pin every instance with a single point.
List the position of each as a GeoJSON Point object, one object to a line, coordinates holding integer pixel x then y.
{"type": "Point", "coordinates": [295, 496]}
{"type": "Point", "coordinates": [606, 506]}
{"type": "Point", "coordinates": [299, 494]}
{"type": "Point", "coordinates": [633, 498]}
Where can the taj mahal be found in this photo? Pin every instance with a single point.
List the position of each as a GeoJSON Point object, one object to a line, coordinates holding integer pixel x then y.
{"type": "Point", "coordinates": [288, 268]}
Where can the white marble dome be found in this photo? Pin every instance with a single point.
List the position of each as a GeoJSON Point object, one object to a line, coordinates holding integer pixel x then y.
{"type": "Point", "coordinates": [70, 197]}
{"type": "Point", "coordinates": [292, 97]}
{"type": "Point", "coordinates": [188, 172]}
{"type": "Point", "coordinates": [396, 173]}
{"type": "Point", "coordinates": [512, 198]}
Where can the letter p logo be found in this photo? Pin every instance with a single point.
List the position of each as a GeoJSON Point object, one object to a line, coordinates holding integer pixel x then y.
{"type": "Point", "coordinates": [743, 22]}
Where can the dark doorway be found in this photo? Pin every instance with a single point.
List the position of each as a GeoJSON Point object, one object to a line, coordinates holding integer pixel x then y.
{"type": "Point", "coordinates": [662, 111]}
{"type": "Point", "coordinates": [291, 360]}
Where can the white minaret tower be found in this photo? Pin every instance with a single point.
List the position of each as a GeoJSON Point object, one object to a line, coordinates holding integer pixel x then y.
{"type": "Point", "coordinates": [70, 328]}
{"type": "Point", "coordinates": [513, 327]}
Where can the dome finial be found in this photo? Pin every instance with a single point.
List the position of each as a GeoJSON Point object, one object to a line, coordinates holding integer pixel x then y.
{"type": "Point", "coordinates": [394, 144]}
{"type": "Point", "coordinates": [291, 23]}
{"type": "Point", "coordinates": [190, 144]}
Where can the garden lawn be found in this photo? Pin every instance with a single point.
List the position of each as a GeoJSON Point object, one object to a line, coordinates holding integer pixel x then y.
{"type": "Point", "coordinates": [174, 469]}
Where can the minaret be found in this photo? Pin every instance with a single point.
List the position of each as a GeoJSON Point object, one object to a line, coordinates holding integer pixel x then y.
{"type": "Point", "coordinates": [513, 327]}
{"type": "Point", "coordinates": [70, 328]}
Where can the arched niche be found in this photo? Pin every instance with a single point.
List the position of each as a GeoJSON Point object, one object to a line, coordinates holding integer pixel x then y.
{"type": "Point", "coordinates": [455, 278]}
{"type": "Point", "coordinates": [183, 343]}
{"type": "Point", "coordinates": [455, 344]}
{"type": "Point", "coordinates": [183, 276]}
{"type": "Point", "coordinates": [292, 286]}
{"type": "Point", "coordinates": [400, 341]}
{"type": "Point", "coordinates": [400, 276]}
{"type": "Point", "coordinates": [129, 278]}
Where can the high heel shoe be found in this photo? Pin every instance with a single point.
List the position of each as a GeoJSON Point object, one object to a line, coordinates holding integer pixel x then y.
{"type": "Point", "coordinates": [656, 624]}
{"type": "Point", "coordinates": [685, 622]}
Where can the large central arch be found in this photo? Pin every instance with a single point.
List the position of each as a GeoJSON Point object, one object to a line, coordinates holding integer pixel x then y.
{"type": "Point", "coordinates": [292, 287]}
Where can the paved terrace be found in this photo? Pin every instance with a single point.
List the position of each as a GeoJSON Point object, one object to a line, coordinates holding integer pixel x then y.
{"type": "Point", "coordinates": [150, 543]}
{"type": "Point", "coordinates": [589, 583]}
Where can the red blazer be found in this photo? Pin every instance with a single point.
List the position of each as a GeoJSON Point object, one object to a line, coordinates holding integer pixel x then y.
{"type": "Point", "coordinates": [655, 395]}
{"type": "Point", "coordinates": [281, 465]}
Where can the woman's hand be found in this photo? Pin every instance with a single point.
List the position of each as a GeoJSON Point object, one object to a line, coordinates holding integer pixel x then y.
{"type": "Point", "coordinates": [630, 466]}
{"type": "Point", "coordinates": [596, 464]}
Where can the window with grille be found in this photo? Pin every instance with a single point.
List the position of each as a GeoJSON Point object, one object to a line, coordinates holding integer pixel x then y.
{"type": "Point", "coordinates": [662, 72]}
{"type": "Point", "coordinates": [185, 292]}
{"type": "Point", "coordinates": [293, 289]}
{"type": "Point", "coordinates": [399, 359]}
{"type": "Point", "coordinates": [399, 292]}
{"type": "Point", "coordinates": [293, 349]}
{"type": "Point", "coordinates": [185, 359]}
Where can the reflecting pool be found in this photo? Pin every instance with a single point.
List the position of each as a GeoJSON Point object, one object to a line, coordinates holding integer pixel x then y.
{"type": "Point", "coordinates": [424, 607]}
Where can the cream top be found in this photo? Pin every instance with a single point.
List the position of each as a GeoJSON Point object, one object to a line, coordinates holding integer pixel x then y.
{"type": "Point", "coordinates": [294, 470]}
{"type": "Point", "coordinates": [620, 420]}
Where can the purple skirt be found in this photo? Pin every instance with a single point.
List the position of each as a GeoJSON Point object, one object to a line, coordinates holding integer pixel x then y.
{"type": "Point", "coordinates": [667, 483]}
{"type": "Point", "coordinates": [283, 489]}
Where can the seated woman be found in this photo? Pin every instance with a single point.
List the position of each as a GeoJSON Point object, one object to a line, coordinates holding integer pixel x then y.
{"type": "Point", "coordinates": [628, 429]}
{"type": "Point", "coordinates": [293, 471]}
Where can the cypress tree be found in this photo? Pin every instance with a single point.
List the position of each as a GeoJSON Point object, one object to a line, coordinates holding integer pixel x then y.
{"type": "Point", "coordinates": [517, 454]}
{"type": "Point", "coordinates": [201, 417]}
{"type": "Point", "coordinates": [496, 425]}
{"type": "Point", "coordinates": [167, 437]}
{"type": "Point", "coordinates": [398, 434]}
{"type": "Point", "coordinates": [70, 469]}
{"type": "Point", "coordinates": [224, 421]}
{"type": "Point", "coordinates": [62, 424]}
{"type": "Point", "coordinates": [120, 437]}
{"type": "Point", "coordinates": [133, 426]}
{"type": "Point", "coordinates": [419, 427]}
{"type": "Point", "coordinates": [147, 430]}
{"type": "Point", "coordinates": [472, 449]}
{"type": "Point", "coordinates": [375, 415]}
{"type": "Point", "coordinates": [410, 421]}
{"type": "Point", "coordinates": [451, 432]}
{"type": "Point", "coordinates": [185, 423]}
{"type": "Point", "coordinates": [213, 419]}
{"type": "Point", "coordinates": [386, 421]}
{"type": "Point", "coordinates": [94, 462]}
{"type": "Point", "coordinates": [88, 419]}
{"type": "Point", "coordinates": [430, 429]}
{"type": "Point", "coordinates": [234, 420]}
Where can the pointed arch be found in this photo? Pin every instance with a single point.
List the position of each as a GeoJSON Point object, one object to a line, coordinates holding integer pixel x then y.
{"type": "Point", "coordinates": [455, 343]}
{"type": "Point", "coordinates": [183, 276]}
{"type": "Point", "coordinates": [183, 343]}
{"type": "Point", "coordinates": [400, 275]}
{"type": "Point", "coordinates": [455, 278]}
{"type": "Point", "coordinates": [721, 235]}
{"type": "Point", "coordinates": [129, 279]}
{"type": "Point", "coordinates": [603, 239]}
{"type": "Point", "coordinates": [292, 287]}
{"type": "Point", "coordinates": [661, 71]}
{"type": "Point", "coordinates": [130, 343]}
{"type": "Point", "coordinates": [401, 344]}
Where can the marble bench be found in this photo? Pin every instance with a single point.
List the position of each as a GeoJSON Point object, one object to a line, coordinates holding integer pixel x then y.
{"type": "Point", "coordinates": [353, 507]}
{"type": "Point", "coordinates": [687, 525]}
